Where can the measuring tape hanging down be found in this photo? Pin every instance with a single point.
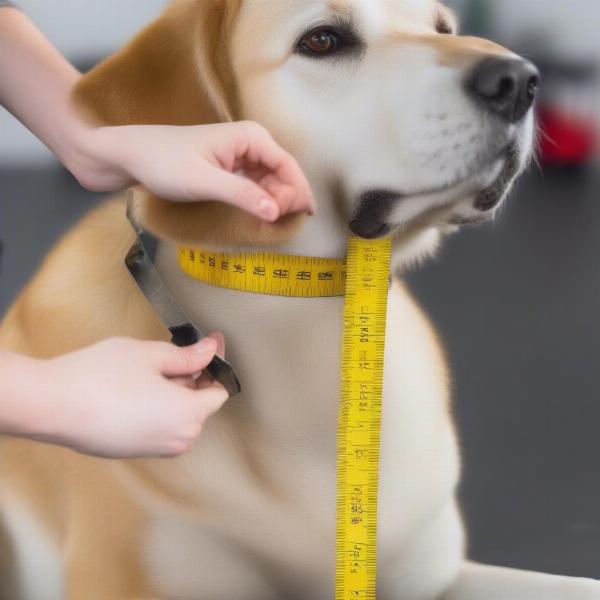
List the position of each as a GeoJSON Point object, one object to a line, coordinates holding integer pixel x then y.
{"type": "Point", "coordinates": [359, 424]}
{"type": "Point", "coordinates": [364, 279]}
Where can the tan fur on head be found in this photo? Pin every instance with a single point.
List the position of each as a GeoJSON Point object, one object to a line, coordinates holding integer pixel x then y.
{"type": "Point", "coordinates": [178, 72]}
{"type": "Point", "coordinates": [456, 51]}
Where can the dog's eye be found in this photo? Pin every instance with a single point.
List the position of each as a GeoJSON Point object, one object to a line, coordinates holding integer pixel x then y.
{"type": "Point", "coordinates": [340, 39]}
{"type": "Point", "coordinates": [320, 42]}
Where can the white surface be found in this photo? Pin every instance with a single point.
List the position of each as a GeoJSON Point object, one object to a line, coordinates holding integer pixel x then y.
{"type": "Point", "coordinates": [81, 29]}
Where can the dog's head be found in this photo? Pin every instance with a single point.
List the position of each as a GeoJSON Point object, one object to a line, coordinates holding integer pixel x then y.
{"type": "Point", "coordinates": [401, 125]}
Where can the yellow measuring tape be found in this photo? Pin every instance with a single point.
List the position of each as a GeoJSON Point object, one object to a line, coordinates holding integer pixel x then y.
{"type": "Point", "coordinates": [359, 423]}
{"type": "Point", "coordinates": [364, 279]}
{"type": "Point", "coordinates": [266, 273]}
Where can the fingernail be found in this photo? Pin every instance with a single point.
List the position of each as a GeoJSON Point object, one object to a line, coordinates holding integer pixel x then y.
{"type": "Point", "coordinates": [206, 345]}
{"type": "Point", "coordinates": [268, 209]}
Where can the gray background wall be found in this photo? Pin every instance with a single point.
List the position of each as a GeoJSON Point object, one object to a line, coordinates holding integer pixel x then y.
{"type": "Point", "coordinates": [83, 31]}
{"type": "Point", "coordinates": [517, 303]}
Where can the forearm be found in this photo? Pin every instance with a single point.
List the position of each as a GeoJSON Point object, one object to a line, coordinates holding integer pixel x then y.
{"type": "Point", "coordinates": [36, 83]}
{"type": "Point", "coordinates": [20, 395]}
{"type": "Point", "coordinates": [180, 163]}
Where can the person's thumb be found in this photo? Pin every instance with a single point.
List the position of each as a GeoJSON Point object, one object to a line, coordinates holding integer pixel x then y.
{"type": "Point", "coordinates": [220, 339]}
{"type": "Point", "coordinates": [185, 362]}
{"type": "Point", "coordinates": [242, 192]}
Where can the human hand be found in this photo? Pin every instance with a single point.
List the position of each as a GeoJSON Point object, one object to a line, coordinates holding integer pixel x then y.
{"type": "Point", "coordinates": [238, 163]}
{"type": "Point", "coordinates": [123, 398]}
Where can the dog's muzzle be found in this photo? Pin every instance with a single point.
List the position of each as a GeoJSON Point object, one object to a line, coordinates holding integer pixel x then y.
{"type": "Point", "coordinates": [371, 220]}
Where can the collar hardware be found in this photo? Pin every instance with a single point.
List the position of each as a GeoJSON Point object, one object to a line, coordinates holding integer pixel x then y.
{"type": "Point", "coordinates": [140, 262]}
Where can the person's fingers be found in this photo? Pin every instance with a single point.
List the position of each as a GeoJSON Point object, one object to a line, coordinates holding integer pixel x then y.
{"type": "Point", "coordinates": [241, 192]}
{"type": "Point", "coordinates": [210, 400]}
{"type": "Point", "coordinates": [263, 149]}
{"type": "Point", "coordinates": [186, 362]}
{"type": "Point", "coordinates": [187, 382]}
{"type": "Point", "coordinates": [204, 380]}
{"type": "Point", "coordinates": [258, 154]}
{"type": "Point", "coordinates": [290, 174]}
{"type": "Point", "coordinates": [220, 339]}
{"type": "Point", "coordinates": [285, 194]}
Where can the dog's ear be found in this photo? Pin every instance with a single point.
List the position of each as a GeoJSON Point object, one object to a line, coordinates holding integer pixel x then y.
{"type": "Point", "coordinates": [177, 71]}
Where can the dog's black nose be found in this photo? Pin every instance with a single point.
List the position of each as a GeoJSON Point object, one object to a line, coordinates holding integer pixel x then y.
{"type": "Point", "coordinates": [505, 86]}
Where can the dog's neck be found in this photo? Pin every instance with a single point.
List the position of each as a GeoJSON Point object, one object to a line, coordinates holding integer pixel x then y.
{"type": "Point", "coordinates": [326, 235]}
{"type": "Point", "coordinates": [284, 348]}
{"type": "Point", "coordinates": [323, 235]}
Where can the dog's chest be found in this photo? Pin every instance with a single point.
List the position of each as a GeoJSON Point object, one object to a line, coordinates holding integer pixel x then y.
{"type": "Point", "coordinates": [264, 473]}
{"type": "Point", "coordinates": [257, 547]}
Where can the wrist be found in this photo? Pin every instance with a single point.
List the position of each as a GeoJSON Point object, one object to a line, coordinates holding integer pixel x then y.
{"type": "Point", "coordinates": [97, 159]}
{"type": "Point", "coordinates": [24, 400]}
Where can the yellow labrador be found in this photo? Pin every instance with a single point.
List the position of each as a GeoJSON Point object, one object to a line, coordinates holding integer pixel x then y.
{"type": "Point", "coordinates": [403, 128]}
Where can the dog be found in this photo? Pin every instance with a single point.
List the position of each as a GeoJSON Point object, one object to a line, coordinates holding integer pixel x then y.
{"type": "Point", "coordinates": [404, 128]}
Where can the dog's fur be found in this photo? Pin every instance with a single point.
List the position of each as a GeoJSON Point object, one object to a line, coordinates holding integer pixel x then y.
{"type": "Point", "coordinates": [387, 134]}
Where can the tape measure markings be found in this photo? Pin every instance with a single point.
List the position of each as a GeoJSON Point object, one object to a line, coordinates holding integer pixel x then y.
{"type": "Point", "coordinates": [364, 280]}
{"type": "Point", "coordinates": [359, 422]}
{"type": "Point", "coordinates": [271, 274]}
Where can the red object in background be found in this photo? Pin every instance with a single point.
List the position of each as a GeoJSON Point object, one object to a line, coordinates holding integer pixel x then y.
{"type": "Point", "coordinates": [566, 138]}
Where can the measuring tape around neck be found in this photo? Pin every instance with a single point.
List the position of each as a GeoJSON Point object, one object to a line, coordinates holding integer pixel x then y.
{"type": "Point", "coordinates": [266, 273]}
{"type": "Point", "coordinates": [364, 279]}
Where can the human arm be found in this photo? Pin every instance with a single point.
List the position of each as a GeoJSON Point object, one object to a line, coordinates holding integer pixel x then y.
{"type": "Point", "coordinates": [117, 399]}
{"type": "Point", "coordinates": [238, 163]}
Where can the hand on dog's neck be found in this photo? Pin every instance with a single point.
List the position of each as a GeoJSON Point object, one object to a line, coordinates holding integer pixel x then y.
{"type": "Point", "coordinates": [218, 226]}
{"type": "Point", "coordinates": [215, 225]}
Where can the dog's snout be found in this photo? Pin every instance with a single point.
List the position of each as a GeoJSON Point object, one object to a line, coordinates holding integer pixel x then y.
{"type": "Point", "coordinates": [505, 86]}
